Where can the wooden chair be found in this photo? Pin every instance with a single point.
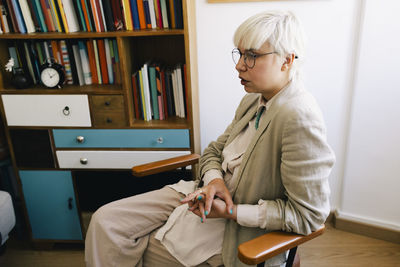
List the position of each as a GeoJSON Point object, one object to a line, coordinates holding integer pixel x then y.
{"type": "Point", "coordinates": [252, 252]}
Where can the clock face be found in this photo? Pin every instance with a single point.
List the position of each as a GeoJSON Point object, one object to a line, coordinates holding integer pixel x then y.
{"type": "Point", "coordinates": [50, 77]}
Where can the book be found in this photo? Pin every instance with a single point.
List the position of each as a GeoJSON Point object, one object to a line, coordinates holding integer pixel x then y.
{"type": "Point", "coordinates": [157, 10]}
{"type": "Point", "coordinates": [61, 13]}
{"type": "Point", "coordinates": [70, 15]}
{"type": "Point", "coordinates": [86, 13]}
{"type": "Point", "coordinates": [10, 11]}
{"type": "Point", "coordinates": [92, 61]}
{"type": "Point", "coordinates": [117, 66]}
{"type": "Point", "coordinates": [164, 93]}
{"type": "Point", "coordinates": [80, 16]}
{"type": "Point", "coordinates": [18, 15]}
{"type": "Point", "coordinates": [146, 90]}
{"type": "Point", "coordinates": [127, 15]}
{"type": "Point", "coordinates": [164, 12]}
{"type": "Point", "coordinates": [55, 16]}
{"type": "Point", "coordinates": [108, 15]}
{"type": "Point", "coordinates": [95, 15]}
{"type": "Point", "coordinates": [152, 14]}
{"type": "Point", "coordinates": [78, 64]}
{"type": "Point", "coordinates": [13, 54]}
{"type": "Point", "coordinates": [87, 74]}
{"type": "Point", "coordinates": [143, 101]}
{"type": "Point", "coordinates": [180, 92]}
{"type": "Point", "coordinates": [178, 14]}
{"type": "Point", "coordinates": [100, 11]}
{"type": "Point", "coordinates": [153, 91]}
{"type": "Point", "coordinates": [66, 62]}
{"type": "Point", "coordinates": [159, 93]}
{"type": "Point", "coordinates": [40, 15]}
{"type": "Point", "coordinates": [117, 14]}
{"type": "Point", "coordinates": [4, 22]}
{"type": "Point", "coordinates": [102, 60]}
{"type": "Point", "coordinates": [97, 61]}
{"type": "Point", "coordinates": [135, 15]}
{"type": "Point", "coordinates": [172, 14]}
{"type": "Point", "coordinates": [47, 15]}
{"type": "Point", "coordinates": [34, 15]}
{"type": "Point", "coordinates": [135, 96]}
{"type": "Point", "coordinates": [141, 14]}
{"type": "Point", "coordinates": [109, 62]}
{"type": "Point", "coordinates": [71, 56]}
{"type": "Point", "coordinates": [147, 13]}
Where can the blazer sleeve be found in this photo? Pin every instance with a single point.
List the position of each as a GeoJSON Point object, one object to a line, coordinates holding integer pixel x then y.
{"type": "Point", "coordinates": [306, 163]}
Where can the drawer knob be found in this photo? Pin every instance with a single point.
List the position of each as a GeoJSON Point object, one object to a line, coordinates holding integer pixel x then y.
{"type": "Point", "coordinates": [84, 161]}
{"type": "Point", "coordinates": [160, 140]}
{"type": "Point", "coordinates": [107, 103]}
{"type": "Point", "coordinates": [80, 139]}
{"type": "Point", "coordinates": [66, 111]}
{"type": "Point", "coordinates": [109, 120]}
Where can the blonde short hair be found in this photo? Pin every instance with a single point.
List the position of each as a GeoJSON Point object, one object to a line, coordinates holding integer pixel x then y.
{"type": "Point", "coordinates": [281, 29]}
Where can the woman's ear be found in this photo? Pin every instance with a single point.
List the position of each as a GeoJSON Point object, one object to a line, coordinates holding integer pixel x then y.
{"type": "Point", "coordinates": [287, 64]}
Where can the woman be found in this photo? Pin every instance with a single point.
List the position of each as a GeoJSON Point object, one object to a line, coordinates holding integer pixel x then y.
{"type": "Point", "coordinates": [268, 171]}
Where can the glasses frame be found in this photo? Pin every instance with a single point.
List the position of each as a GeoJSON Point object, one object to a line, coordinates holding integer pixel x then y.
{"type": "Point", "coordinates": [255, 56]}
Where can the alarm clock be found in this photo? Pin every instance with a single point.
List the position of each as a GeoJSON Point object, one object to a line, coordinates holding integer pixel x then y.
{"type": "Point", "coordinates": [52, 74]}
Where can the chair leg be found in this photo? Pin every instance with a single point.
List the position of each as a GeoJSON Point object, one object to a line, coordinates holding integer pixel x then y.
{"type": "Point", "coordinates": [291, 257]}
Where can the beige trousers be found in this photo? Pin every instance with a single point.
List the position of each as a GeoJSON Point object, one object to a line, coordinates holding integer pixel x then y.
{"type": "Point", "coordinates": [121, 233]}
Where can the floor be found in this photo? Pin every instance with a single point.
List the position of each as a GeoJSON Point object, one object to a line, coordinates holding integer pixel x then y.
{"type": "Point", "coordinates": [334, 248]}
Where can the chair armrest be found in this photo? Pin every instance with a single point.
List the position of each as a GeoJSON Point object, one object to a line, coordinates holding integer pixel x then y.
{"type": "Point", "coordinates": [271, 244]}
{"type": "Point", "coordinates": [165, 165]}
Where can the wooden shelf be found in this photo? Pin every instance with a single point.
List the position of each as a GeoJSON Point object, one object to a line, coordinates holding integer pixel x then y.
{"type": "Point", "coordinates": [83, 35]}
{"type": "Point", "coordinates": [170, 123]}
{"type": "Point", "coordinates": [69, 89]}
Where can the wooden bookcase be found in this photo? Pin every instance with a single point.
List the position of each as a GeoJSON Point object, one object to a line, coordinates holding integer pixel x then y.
{"type": "Point", "coordinates": [63, 177]}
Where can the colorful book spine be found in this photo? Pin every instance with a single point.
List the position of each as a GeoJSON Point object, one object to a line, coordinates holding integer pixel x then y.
{"type": "Point", "coordinates": [18, 15]}
{"type": "Point", "coordinates": [40, 15]}
{"type": "Point", "coordinates": [127, 15]}
{"type": "Point", "coordinates": [85, 63]}
{"type": "Point", "coordinates": [78, 64]}
{"type": "Point", "coordinates": [97, 61]}
{"type": "Point", "coordinates": [63, 16]}
{"type": "Point", "coordinates": [109, 61]}
{"type": "Point", "coordinates": [135, 15]}
{"type": "Point", "coordinates": [153, 92]}
{"type": "Point", "coordinates": [66, 61]}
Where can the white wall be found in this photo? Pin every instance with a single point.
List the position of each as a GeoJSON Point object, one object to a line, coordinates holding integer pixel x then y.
{"type": "Point", "coordinates": [329, 26]}
{"type": "Point", "coordinates": [372, 171]}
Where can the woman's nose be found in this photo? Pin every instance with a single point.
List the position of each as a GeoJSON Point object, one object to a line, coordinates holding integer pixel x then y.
{"type": "Point", "coordinates": [241, 66]}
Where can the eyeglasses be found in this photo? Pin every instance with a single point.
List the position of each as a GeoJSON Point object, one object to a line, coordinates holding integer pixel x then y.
{"type": "Point", "coordinates": [249, 57]}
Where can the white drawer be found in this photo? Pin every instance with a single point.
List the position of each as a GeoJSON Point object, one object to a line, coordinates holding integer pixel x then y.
{"type": "Point", "coordinates": [47, 110]}
{"type": "Point", "coordinates": [111, 159]}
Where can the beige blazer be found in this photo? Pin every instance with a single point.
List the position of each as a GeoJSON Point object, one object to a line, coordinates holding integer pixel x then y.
{"type": "Point", "coordinates": [287, 165]}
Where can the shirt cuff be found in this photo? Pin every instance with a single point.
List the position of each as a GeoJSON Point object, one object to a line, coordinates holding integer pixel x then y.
{"type": "Point", "coordinates": [247, 215]}
{"type": "Point", "coordinates": [211, 175]}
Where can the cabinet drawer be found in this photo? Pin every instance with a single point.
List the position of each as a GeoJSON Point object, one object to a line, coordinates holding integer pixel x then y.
{"type": "Point", "coordinates": [111, 159]}
{"type": "Point", "coordinates": [47, 110]}
{"type": "Point", "coordinates": [112, 118]}
{"type": "Point", "coordinates": [101, 103]}
{"type": "Point", "coordinates": [127, 138]}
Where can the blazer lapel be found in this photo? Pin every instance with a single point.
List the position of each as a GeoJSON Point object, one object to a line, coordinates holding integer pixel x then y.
{"type": "Point", "coordinates": [280, 99]}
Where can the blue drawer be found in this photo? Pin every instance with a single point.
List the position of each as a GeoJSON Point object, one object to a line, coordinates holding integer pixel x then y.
{"type": "Point", "coordinates": [122, 138]}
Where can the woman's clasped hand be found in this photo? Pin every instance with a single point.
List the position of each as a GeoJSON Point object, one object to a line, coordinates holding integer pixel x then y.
{"type": "Point", "coordinates": [211, 201]}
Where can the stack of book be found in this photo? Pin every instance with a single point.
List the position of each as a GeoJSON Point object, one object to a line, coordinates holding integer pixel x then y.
{"type": "Point", "coordinates": [86, 62]}
{"type": "Point", "coordinates": [28, 16]}
{"type": "Point", "coordinates": [159, 93]}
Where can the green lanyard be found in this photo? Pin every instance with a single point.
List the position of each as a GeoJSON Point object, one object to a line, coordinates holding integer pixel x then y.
{"type": "Point", "coordinates": [259, 116]}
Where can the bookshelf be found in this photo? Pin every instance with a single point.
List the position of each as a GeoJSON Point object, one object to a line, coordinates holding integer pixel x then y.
{"type": "Point", "coordinates": [61, 161]}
